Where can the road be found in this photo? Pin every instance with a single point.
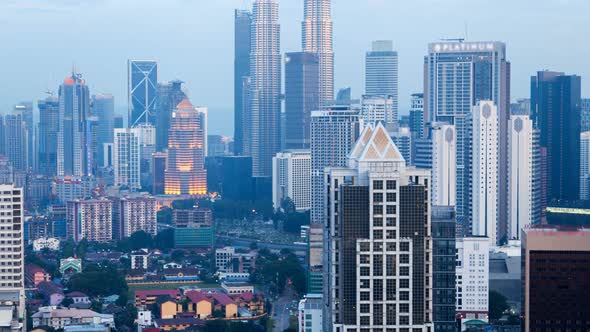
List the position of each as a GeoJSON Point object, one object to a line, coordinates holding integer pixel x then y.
{"type": "Point", "coordinates": [281, 309]}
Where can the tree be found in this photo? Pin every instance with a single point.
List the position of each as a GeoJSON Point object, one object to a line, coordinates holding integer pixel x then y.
{"type": "Point", "coordinates": [164, 216]}
{"type": "Point", "coordinates": [177, 255]}
{"type": "Point", "coordinates": [67, 301]}
{"type": "Point", "coordinates": [184, 204]}
{"type": "Point", "coordinates": [82, 248]}
{"type": "Point", "coordinates": [68, 248]}
{"type": "Point", "coordinates": [164, 240]}
{"type": "Point", "coordinates": [98, 283]}
{"type": "Point", "coordinates": [125, 320]}
{"type": "Point", "coordinates": [498, 305]}
{"type": "Point", "coordinates": [141, 239]}
{"type": "Point", "coordinates": [253, 246]}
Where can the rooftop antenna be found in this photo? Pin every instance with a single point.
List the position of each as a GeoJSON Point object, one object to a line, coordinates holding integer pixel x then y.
{"type": "Point", "coordinates": [49, 93]}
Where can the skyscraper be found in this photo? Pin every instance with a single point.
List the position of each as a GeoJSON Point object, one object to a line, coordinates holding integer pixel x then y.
{"type": "Point", "coordinates": [585, 165]}
{"type": "Point", "coordinates": [473, 281]}
{"type": "Point", "coordinates": [170, 94]}
{"type": "Point", "coordinates": [316, 35]}
{"type": "Point", "coordinates": [585, 114]}
{"type": "Point", "coordinates": [12, 291]}
{"type": "Point", "coordinates": [103, 108]}
{"type": "Point", "coordinates": [74, 143]}
{"type": "Point", "coordinates": [47, 135]}
{"type": "Point", "coordinates": [457, 76]}
{"type": "Point", "coordinates": [417, 115]}
{"type": "Point", "coordinates": [443, 267]}
{"type": "Point", "coordinates": [291, 179]}
{"type": "Point", "coordinates": [265, 86]}
{"type": "Point", "coordinates": [15, 138]}
{"type": "Point", "coordinates": [379, 249]}
{"type": "Point", "coordinates": [26, 108]}
{"type": "Point", "coordinates": [142, 86]}
{"type": "Point", "coordinates": [555, 111]}
{"type": "Point", "coordinates": [483, 172]}
{"type": "Point", "coordinates": [127, 157]}
{"type": "Point", "coordinates": [301, 97]}
{"type": "Point", "coordinates": [523, 175]}
{"type": "Point", "coordinates": [444, 170]}
{"type": "Point", "coordinates": [185, 172]}
{"type": "Point", "coordinates": [380, 108]}
{"type": "Point", "coordinates": [90, 219]}
{"type": "Point", "coordinates": [381, 76]}
{"type": "Point", "coordinates": [242, 35]}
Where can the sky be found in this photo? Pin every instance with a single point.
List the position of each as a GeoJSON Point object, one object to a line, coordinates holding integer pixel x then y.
{"type": "Point", "coordinates": [41, 40]}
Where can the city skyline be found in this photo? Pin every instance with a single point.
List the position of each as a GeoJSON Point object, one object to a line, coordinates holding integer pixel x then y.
{"type": "Point", "coordinates": [106, 71]}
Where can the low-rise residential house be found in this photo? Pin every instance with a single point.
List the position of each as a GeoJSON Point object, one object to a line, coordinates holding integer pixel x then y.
{"type": "Point", "coordinates": [35, 274]}
{"type": "Point", "coordinates": [200, 304]}
{"type": "Point", "coordinates": [148, 297]}
{"type": "Point", "coordinates": [52, 293]}
{"type": "Point", "coordinates": [237, 287]}
{"type": "Point", "coordinates": [78, 297]}
{"type": "Point", "coordinates": [253, 302]}
{"type": "Point", "coordinates": [59, 318]}
{"type": "Point", "coordinates": [223, 303]}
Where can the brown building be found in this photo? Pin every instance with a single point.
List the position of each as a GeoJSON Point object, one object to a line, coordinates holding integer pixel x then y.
{"type": "Point", "coordinates": [556, 272]}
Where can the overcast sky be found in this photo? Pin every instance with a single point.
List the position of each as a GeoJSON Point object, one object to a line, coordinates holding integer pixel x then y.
{"type": "Point", "coordinates": [193, 41]}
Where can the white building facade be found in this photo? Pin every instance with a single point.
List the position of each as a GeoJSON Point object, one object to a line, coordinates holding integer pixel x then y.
{"type": "Point", "coordinates": [127, 157]}
{"type": "Point", "coordinates": [291, 177]}
{"type": "Point", "coordinates": [472, 278]}
{"type": "Point", "coordinates": [585, 165]}
{"type": "Point", "coordinates": [379, 108]}
{"type": "Point", "coordinates": [444, 167]}
{"type": "Point", "coordinates": [310, 313]}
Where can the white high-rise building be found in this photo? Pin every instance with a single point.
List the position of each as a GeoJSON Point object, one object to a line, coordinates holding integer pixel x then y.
{"type": "Point", "coordinates": [444, 170]}
{"type": "Point", "coordinates": [378, 251]}
{"type": "Point", "coordinates": [291, 177]}
{"type": "Point", "coordinates": [137, 213]}
{"type": "Point", "coordinates": [381, 76]}
{"type": "Point", "coordinates": [379, 108]}
{"type": "Point", "coordinates": [90, 219]}
{"type": "Point", "coordinates": [472, 278]}
{"type": "Point", "coordinates": [484, 170]}
{"type": "Point", "coordinates": [12, 292]}
{"type": "Point", "coordinates": [522, 154]}
{"type": "Point", "coordinates": [317, 38]}
{"type": "Point", "coordinates": [585, 165]}
{"type": "Point", "coordinates": [127, 157]}
{"type": "Point", "coordinates": [310, 313]}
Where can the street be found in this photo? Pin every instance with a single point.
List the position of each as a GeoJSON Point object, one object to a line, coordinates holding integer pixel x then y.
{"type": "Point", "coordinates": [281, 309]}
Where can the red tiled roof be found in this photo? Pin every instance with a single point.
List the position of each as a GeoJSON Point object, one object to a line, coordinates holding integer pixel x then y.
{"type": "Point", "coordinates": [222, 299]}
{"type": "Point", "coordinates": [196, 296]}
{"type": "Point", "coordinates": [76, 294]}
{"type": "Point", "coordinates": [143, 294]}
{"type": "Point", "coordinates": [246, 296]}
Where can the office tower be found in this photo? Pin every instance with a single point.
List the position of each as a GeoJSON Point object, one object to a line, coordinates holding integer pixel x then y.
{"type": "Point", "coordinates": [142, 80]}
{"type": "Point", "coordinates": [2, 138]}
{"type": "Point", "coordinates": [403, 140]}
{"type": "Point", "coordinates": [472, 268]}
{"type": "Point", "coordinates": [90, 219]}
{"type": "Point", "coordinates": [12, 292]}
{"type": "Point", "coordinates": [555, 111]}
{"type": "Point", "coordinates": [443, 268]}
{"type": "Point", "coordinates": [555, 295]}
{"type": "Point", "coordinates": [291, 179]}
{"type": "Point", "coordinates": [127, 158]}
{"type": "Point", "coordinates": [237, 178]}
{"type": "Point", "coordinates": [103, 108]}
{"type": "Point", "coordinates": [378, 250]}
{"type": "Point", "coordinates": [585, 165]}
{"type": "Point", "coordinates": [185, 172]}
{"type": "Point", "coordinates": [159, 173]}
{"type": "Point", "coordinates": [242, 35]}
{"type": "Point", "coordinates": [74, 155]}
{"type": "Point", "coordinates": [15, 138]}
{"type": "Point", "coordinates": [70, 188]}
{"type": "Point", "coordinates": [381, 71]}
{"type": "Point", "coordinates": [301, 97]}
{"type": "Point", "coordinates": [26, 108]}
{"type": "Point", "coordinates": [379, 108]}
{"type": "Point", "coordinates": [444, 171]}
{"type": "Point", "coordinates": [316, 37]}
{"type": "Point", "coordinates": [203, 124]}
{"type": "Point", "coordinates": [521, 107]}
{"type": "Point", "coordinates": [457, 76]}
{"type": "Point", "coordinates": [310, 313]}
{"type": "Point", "coordinates": [264, 108]}
{"type": "Point", "coordinates": [136, 213]}
{"type": "Point", "coordinates": [417, 115]}
{"type": "Point", "coordinates": [585, 115]}
{"type": "Point", "coordinates": [6, 170]}
{"type": "Point", "coordinates": [216, 145]}
{"type": "Point", "coordinates": [47, 135]}
{"type": "Point", "coordinates": [118, 121]}
{"type": "Point", "coordinates": [169, 94]}
{"type": "Point", "coordinates": [422, 151]}
{"type": "Point", "coordinates": [483, 173]}
{"type": "Point", "coordinates": [523, 172]}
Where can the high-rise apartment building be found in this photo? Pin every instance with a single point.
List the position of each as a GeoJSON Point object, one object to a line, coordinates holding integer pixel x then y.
{"type": "Point", "coordinates": [16, 140]}
{"type": "Point", "coordinates": [523, 175]}
{"type": "Point", "coordinates": [472, 279]}
{"type": "Point", "coordinates": [185, 172]}
{"type": "Point", "coordinates": [444, 170]}
{"type": "Point", "coordinates": [379, 250]}
{"type": "Point", "coordinates": [135, 213]}
{"type": "Point", "coordinates": [291, 178]}
{"type": "Point", "coordinates": [301, 97]}
{"type": "Point", "coordinates": [90, 219]}
{"type": "Point", "coordinates": [127, 158]}
{"type": "Point", "coordinates": [381, 77]}
{"type": "Point", "coordinates": [264, 107]}
{"type": "Point", "coordinates": [103, 108]}
{"type": "Point", "coordinates": [316, 35]}
{"type": "Point", "coordinates": [47, 135]}
{"type": "Point", "coordinates": [169, 94]}
{"type": "Point", "coordinates": [585, 165]}
{"type": "Point", "coordinates": [379, 108]}
{"type": "Point", "coordinates": [555, 261]}
{"type": "Point", "coordinates": [12, 291]}
{"type": "Point", "coordinates": [555, 111]}
{"type": "Point", "coordinates": [443, 268]}
{"type": "Point", "coordinates": [585, 115]}
{"type": "Point", "coordinates": [242, 35]}
{"type": "Point", "coordinates": [74, 143]}
{"type": "Point", "coordinates": [483, 205]}
{"type": "Point", "coordinates": [26, 109]}
{"type": "Point", "coordinates": [457, 76]}
{"type": "Point", "coordinates": [142, 80]}
{"type": "Point", "coordinates": [417, 123]}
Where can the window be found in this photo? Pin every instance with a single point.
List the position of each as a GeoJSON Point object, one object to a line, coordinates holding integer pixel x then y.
{"type": "Point", "coordinates": [404, 259]}
{"type": "Point", "coordinates": [404, 320]}
{"type": "Point", "coordinates": [391, 197]}
{"type": "Point", "coordinates": [378, 290]}
{"type": "Point", "coordinates": [404, 246]}
{"type": "Point", "coordinates": [404, 283]}
{"type": "Point", "coordinates": [377, 209]}
{"type": "Point", "coordinates": [404, 308]}
{"type": "Point", "coordinates": [391, 185]}
{"type": "Point", "coordinates": [377, 222]}
{"type": "Point", "coordinates": [377, 234]}
{"type": "Point", "coordinates": [365, 259]}
{"type": "Point", "coordinates": [378, 197]}
{"type": "Point", "coordinates": [365, 320]}
{"type": "Point", "coordinates": [390, 221]}
{"type": "Point", "coordinates": [365, 246]}
{"type": "Point", "coordinates": [365, 283]}
{"type": "Point", "coordinates": [390, 234]}
{"type": "Point", "coordinates": [377, 184]}
{"type": "Point", "coordinates": [365, 308]}
{"type": "Point", "coordinates": [365, 271]}
{"type": "Point", "coordinates": [365, 296]}
{"type": "Point", "coordinates": [404, 296]}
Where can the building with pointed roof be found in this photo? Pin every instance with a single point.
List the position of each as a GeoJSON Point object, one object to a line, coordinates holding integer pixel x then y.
{"type": "Point", "coordinates": [378, 252]}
